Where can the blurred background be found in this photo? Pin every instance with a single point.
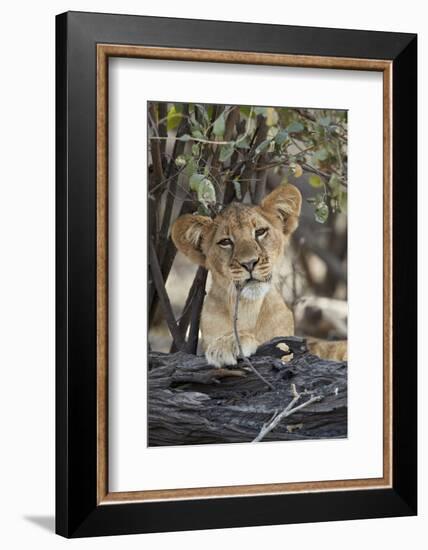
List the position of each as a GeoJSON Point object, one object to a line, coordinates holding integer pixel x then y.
{"type": "Point", "coordinates": [202, 157]}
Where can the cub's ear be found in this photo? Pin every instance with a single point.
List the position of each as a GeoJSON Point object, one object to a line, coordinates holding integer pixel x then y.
{"type": "Point", "coordinates": [188, 233]}
{"type": "Point", "coordinates": [284, 203]}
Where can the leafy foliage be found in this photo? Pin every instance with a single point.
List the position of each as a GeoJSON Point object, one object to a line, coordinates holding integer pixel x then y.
{"type": "Point", "coordinates": [202, 157]}
{"type": "Point", "coordinates": [227, 151]}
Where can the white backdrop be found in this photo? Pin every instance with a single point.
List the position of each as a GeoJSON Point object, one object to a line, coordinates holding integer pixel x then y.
{"type": "Point", "coordinates": [27, 274]}
{"type": "Point", "coordinates": [132, 465]}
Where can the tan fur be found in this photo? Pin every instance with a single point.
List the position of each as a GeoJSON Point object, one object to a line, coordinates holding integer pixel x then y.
{"type": "Point", "coordinates": [262, 312]}
{"type": "Point", "coordinates": [336, 350]}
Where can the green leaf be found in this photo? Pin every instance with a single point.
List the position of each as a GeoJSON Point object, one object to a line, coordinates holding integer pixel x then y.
{"type": "Point", "coordinates": [260, 110]}
{"type": "Point", "coordinates": [203, 187]}
{"type": "Point", "coordinates": [262, 147]}
{"type": "Point", "coordinates": [334, 184]}
{"type": "Point", "coordinates": [226, 152]}
{"type": "Point", "coordinates": [194, 123]}
{"type": "Point", "coordinates": [324, 121]}
{"type": "Point", "coordinates": [192, 166]}
{"type": "Point", "coordinates": [219, 126]}
{"type": "Point", "coordinates": [195, 181]}
{"type": "Point", "coordinates": [286, 115]}
{"type": "Point", "coordinates": [184, 137]}
{"type": "Point", "coordinates": [271, 116]}
{"type": "Point", "coordinates": [198, 134]}
{"type": "Point", "coordinates": [343, 201]}
{"type": "Point", "coordinates": [203, 111]}
{"type": "Point", "coordinates": [281, 137]}
{"type": "Point", "coordinates": [203, 210]}
{"type": "Point", "coordinates": [315, 181]}
{"type": "Point", "coordinates": [296, 169]}
{"type": "Point", "coordinates": [321, 154]}
{"type": "Point", "coordinates": [238, 191]}
{"type": "Point", "coordinates": [242, 143]}
{"type": "Point", "coordinates": [245, 110]}
{"type": "Point", "coordinates": [180, 161]}
{"type": "Point", "coordinates": [271, 133]}
{"type": "Point", "coordinates": [173, 118]}
{"type": "Point", "coordinates": [321, 212]}
{"type": "Point", "coordinates": [206, 192]}
{"type": "Point", "coordinates": [295, 127]}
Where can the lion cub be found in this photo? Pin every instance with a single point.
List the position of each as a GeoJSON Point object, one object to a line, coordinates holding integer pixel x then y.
{"type": "Point", "coordinates": [242, 246]}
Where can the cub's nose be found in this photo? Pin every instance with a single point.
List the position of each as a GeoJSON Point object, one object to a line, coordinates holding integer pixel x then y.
{"type": "Point", "coordinates": [250, 264]}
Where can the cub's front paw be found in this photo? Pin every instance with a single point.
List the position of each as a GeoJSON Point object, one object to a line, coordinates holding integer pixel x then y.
{"type": "Point", "coordinates": [224, 350]}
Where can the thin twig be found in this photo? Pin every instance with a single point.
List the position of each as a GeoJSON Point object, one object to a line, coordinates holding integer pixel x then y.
{"type": "Point", "coordinates": [198, 140]}
{"type": "Point", "coordinates": [156, 187]}
{"type": "Point", "coordinates": [309, 168]}
{"type": "Point", "coordinates": [288, 411]}
{"type": "Point", "coordinates": [209, 141]}
{"type": "Point", "coordinates": [306, 115]}
{"type": "Point", "coordinates": [238, 341]}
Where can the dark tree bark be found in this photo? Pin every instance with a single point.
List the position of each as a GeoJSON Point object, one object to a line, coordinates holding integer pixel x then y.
{"type": "Point", "coordinates": [191, 402]}
{"type": "Point", "coordinates": [164, 298]}
{"type": "Point", "coordinates": [197, 303]}
{"type": "Point", "coordinates": [192, 312]}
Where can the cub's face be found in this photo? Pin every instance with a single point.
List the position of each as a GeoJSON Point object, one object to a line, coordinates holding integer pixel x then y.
{"type": "Point", "coordinates": [243, 243]}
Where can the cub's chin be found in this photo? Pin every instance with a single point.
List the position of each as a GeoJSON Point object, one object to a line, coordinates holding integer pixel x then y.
{"type": "Point", "coordinates": [255, 290]}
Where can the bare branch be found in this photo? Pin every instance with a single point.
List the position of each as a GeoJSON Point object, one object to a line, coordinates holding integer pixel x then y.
{"type": "Point", "coordinates": [198, 140]}
{"type": "Point", "coordinates": [156, 149]}
{"type": "Point", "coordinates": [288, 411]}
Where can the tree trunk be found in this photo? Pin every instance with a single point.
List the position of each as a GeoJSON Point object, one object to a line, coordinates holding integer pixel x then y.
{"type": "Point", "coordinates": [191, 402]}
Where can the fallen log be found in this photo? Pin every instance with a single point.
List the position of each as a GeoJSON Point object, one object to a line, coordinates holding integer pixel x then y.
{"type": "Point", "coordinates": [190, 402]}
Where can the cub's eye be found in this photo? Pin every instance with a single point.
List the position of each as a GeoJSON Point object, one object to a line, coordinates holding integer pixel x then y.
{"type": "Point", "coordinates": [260, 232]}
{"type": "Point", "coordinates": [225, 242]}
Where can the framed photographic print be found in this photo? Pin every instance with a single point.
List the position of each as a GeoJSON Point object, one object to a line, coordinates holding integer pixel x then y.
{"type": "Point", "coordinates": [236, 274]}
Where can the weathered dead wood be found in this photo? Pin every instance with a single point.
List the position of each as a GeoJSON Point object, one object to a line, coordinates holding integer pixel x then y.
{"type": "Point", "coordinates": [191, 402]}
